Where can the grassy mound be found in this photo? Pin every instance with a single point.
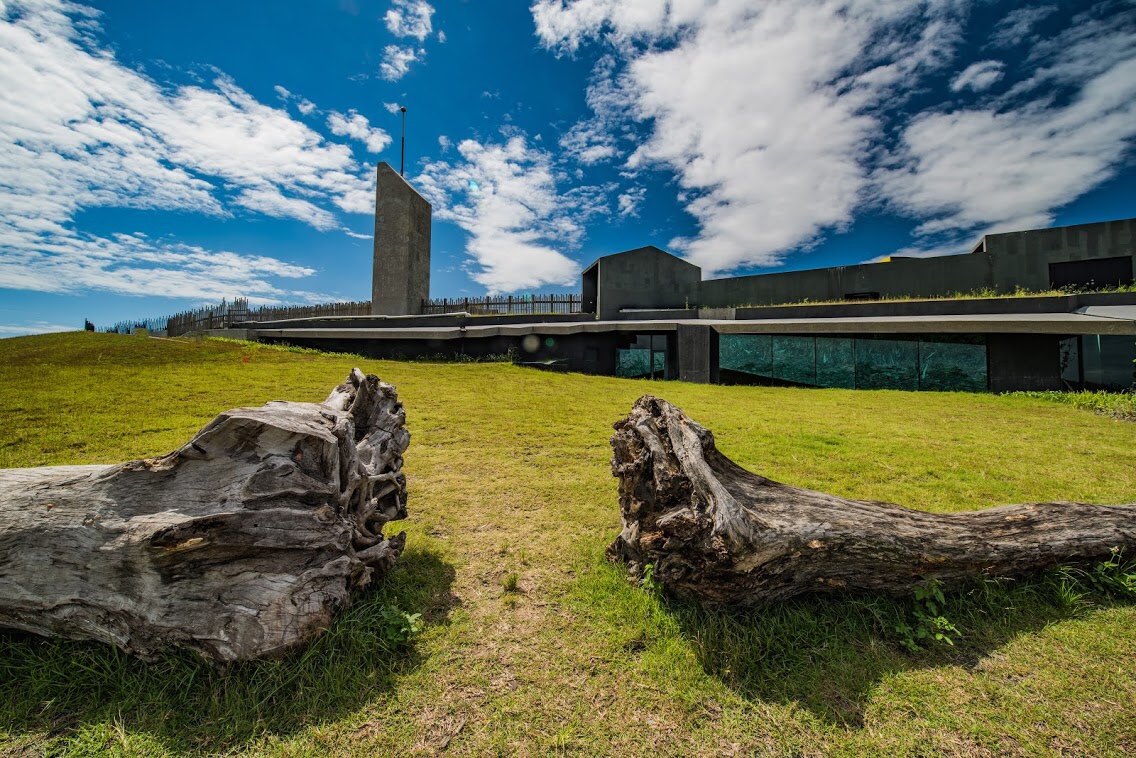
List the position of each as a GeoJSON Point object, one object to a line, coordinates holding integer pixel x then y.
{"type": "Point", "coordinates": [529, 641]}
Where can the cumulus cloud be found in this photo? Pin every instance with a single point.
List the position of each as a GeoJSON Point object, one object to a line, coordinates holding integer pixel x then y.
{"type": "Point", "coordinates": [392, 107]}
{"type": "Point", "coordinates": [410, 18]}
{"type": "Point", "coordinates": [782, 120]}
{"type": "Point", "coordinates": [505, 196]}
{"type": "Point", "coordinates": [630, 201]}
{"type": "Point", "coordinates": [109, 136]}
{"type": "Point", "coordinates": [594, 139]}
{"type": "Point", "coordinates": [1017, 24]}
{"type": "Point", "coordinates": [396, 61]}
{"type": "Point", "coordinates": [407, 19]}
{"type": "Point", "coordinates": [771, 158]}
{"type": "Point", "coordinates": [978, 76]}
{"type": "Point", "coordinates": [356, 126]}
{"type": "Point", "coordinates": [1011, 164]}
{"type": "Point", "coordinates": [34, 327]}
{"type": "Point", "coordinates": [1003, 170]}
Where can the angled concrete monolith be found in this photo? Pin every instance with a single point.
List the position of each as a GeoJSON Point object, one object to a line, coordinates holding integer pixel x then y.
{"type": "Point", "coordinates": [401, 276]}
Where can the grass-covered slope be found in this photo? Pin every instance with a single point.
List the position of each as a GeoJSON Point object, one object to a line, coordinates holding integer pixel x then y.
{"type": "Point", "coordinates": [530, 642]}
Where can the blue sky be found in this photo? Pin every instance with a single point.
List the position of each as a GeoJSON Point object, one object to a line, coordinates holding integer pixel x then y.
{"type": "Point", "coordinates": [158, 156]}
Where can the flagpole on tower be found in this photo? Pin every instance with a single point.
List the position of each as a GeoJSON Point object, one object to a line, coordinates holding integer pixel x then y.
{"type": "Point", "coordinates": [402, 159]}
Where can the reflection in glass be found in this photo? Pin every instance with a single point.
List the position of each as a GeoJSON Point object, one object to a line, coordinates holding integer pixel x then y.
{"type": "Point", "coordinates": [1070, 361]}
{"type": "Point", "coordinates": [794, 359]}
{"type": "Point", "coordinates": [887, 364]}
{"type": "Point", "coordinates": [748, 353]}
{"type": "Point", "coordinates": [958, 365]}
{"type": "Point", "coordinates": [1109, 361]}
{"type": "Point", "coordinates": [631, 364]}
{"type": "Point", "coordinates": [835, 362]}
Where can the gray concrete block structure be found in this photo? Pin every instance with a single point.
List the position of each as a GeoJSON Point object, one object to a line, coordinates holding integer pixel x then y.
{"type": "Point", "coordinates": [640, 279]}
{"type": "Point", "coordinates": [401, 274]}
{"type": "Point", "coordinates": [1084, 255]}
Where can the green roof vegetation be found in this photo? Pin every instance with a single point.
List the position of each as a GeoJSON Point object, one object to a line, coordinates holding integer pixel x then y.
{"type": "Point", "coordinates": [504, 630]}
{"type": "Point", "coordinates": [986, 293]}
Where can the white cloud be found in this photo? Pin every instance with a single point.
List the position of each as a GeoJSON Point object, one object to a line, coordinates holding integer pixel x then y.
{"type": "Point", "coordinates": [392, 107]}
{"type": "Point", "coordinates": [355, 125]}
{"type": "Point", "coordinates": [593, 140]}
{"type": "Point", "coordinates": [305, 106]}
{"type": "Point", "coordinates": [764, 112]}
{"type": "Point", "coordinates": [441, 37]}
{"type": "Point", "coordinates": [777, 118]}
{"type": "Point", "coordinates": [444, 144]}
{"type": "Point", "coordinates": [978, 76]}
{"type": "Point", "coordinates": [135, 265]}
{"type": "Point", "coordinates": [630, 201]}
{"type": "Point", "coordinates": [1008, 167]}
{"type": "Point", "coordinates": [34, 327]}
{"type": "Point", "coordinates": [410, 18]}
{"type": "Point", "coordinates": [109, 136]}
{"type": "Point", "coordinates": [396, 61]}
{"type": "Point", "coordinates": [505, 196]}
{"type": "Point", "coordinates": [1016, 25]}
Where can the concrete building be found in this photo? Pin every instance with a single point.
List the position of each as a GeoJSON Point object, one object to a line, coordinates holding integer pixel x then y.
{"type": "Point", "coordinates": [400, 277]}
{"type": "Point", "coordinates": [648, 313]}
{"type": "Point", "coordinates": [1085, 256]}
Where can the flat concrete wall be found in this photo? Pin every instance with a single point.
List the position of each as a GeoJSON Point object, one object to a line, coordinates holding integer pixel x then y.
{"type": "Point", "coordinates": [900, 277]}
{"type": "Point", "coordinates": [401, 274]}
{"type": "Point", "coordinates": [646, 277]}
{"type": "Point", "coordinates": [1002, 262]}
{"type": "Point", "coordinates": [697, 348]}
{"type": "Point", "coordinates": [1023, 258]}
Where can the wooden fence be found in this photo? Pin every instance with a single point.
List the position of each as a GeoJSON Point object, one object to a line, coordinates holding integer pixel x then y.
{"type": "Point", "coordinates": [229, 313]}
{"type": "Point", "coordinates": [233, 312]}
{"type": "Point", "coordinates": [506, 304]}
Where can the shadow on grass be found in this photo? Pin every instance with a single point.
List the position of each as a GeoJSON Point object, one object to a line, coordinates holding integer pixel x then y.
{"type": "Point", "coordinates": [823, 653]}
{"type": "Point", "coordinates": [61, 690]}
{"type": "Point", "coordinates": [828, 654]}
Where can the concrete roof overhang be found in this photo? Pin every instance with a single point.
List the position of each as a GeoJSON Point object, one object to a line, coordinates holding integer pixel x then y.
{"type": "Point", "coordinates": [1020, 323]}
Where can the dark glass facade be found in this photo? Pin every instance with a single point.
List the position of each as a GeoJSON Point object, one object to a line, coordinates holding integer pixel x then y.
{"type": "Point", "coordinates": [925, 362]}
{"type": "Point", "coordinates": [1099, 361]}
{"type": "Point", "coordinates": [646, 358]}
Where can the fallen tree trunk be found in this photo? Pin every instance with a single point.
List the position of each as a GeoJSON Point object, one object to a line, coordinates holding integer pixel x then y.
{"type": "Point", "coordinates": [718, 534]}
{"type": "Point", "coordinates": [241, 544]}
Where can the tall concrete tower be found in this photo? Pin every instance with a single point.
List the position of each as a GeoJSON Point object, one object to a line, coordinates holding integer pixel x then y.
{"type": "Point", "coordinates": [400, 279]}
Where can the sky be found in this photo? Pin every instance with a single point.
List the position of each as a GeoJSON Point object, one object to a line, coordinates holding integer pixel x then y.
{"type": "Point", "coordinates": [158, 156]}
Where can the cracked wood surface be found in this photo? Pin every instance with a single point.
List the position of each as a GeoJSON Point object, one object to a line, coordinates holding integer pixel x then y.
{"type": "Point", "coordinates": [721, 535]}
{"type": "Point", "coordinates": [241, 544]}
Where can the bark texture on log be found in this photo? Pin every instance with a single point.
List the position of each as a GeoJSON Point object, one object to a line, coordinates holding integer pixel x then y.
{"type": "Point", "coordinates": [241, 544]}
{"type": "Point", "coordinates": [721, 535]}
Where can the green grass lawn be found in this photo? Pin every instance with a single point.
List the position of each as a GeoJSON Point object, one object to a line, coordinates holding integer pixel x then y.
{"type": "Point", "coordinates": [532, 643]}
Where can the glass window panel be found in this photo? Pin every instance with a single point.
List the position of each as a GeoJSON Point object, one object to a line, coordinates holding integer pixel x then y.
{"type": "Point", "coordinates": [1070, 361]}
{"type": "Point", "coordinates": [660, 359]}
{"type": "Point", "coordinates": [794, 359]}
{"type": "Point", "coordinates": [1108, 361]}
{"type": "Point", "coordinates": [749, 353]}
{"type": "Point", "coordinates": [633, 363]}
{"type": "Point", "coordinates": [952, 366]}
{"type": "Point", "coordinates": [883, 364]}
{"type": "Point", "coordinates": [835, 362]}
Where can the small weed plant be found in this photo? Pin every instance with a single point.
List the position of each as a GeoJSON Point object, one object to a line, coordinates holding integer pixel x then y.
{"type": "Point", "coordinates": [399, 628]}
{"type": "Point", "coordinates": [927, 622]}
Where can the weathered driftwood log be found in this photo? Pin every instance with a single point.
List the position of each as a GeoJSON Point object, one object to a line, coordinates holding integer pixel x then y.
{"type": "Point", "coordinates": [716, 533]}
{"type": "Point", "coordinates": [241, 544]}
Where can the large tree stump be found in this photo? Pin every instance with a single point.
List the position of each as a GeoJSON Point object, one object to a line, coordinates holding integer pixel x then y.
{"type": "Point", "coordinates": [718, 534]}
{"type": "Point", "coordinates": [241, 544]}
